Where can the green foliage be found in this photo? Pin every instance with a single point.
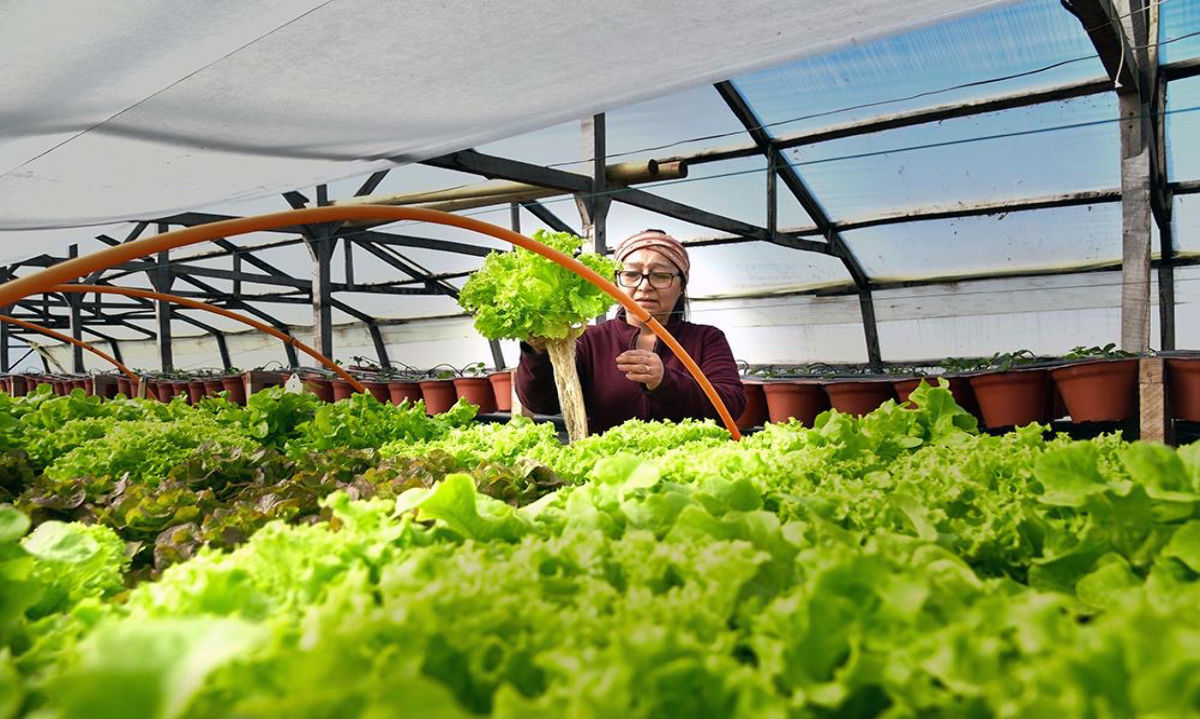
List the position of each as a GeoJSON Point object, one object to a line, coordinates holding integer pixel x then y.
{"type": "Point", "coordinates": [363, 421]}
{"type": "Point", "coordinates": [143, 451]}
{"type": "Point", "coordinates": [520, 294]}
{"type": "Point", "coordinates": [898, 564]}
{"type": "Point", "coordinates": [1108, 351]}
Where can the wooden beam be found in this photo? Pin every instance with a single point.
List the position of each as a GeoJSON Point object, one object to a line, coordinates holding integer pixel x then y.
{"type": "Point", "coordinates": [1154, 419]}
{"type": "Point", "coordinates": [1101, 19]}
{"type": "Point", "coordinates": [1137, 140]}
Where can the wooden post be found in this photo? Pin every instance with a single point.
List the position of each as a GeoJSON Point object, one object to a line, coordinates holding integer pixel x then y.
{"type": "Point", "coordinates": [1137, 135]}
{"type": "Point", "coordinates": [1155, 420]}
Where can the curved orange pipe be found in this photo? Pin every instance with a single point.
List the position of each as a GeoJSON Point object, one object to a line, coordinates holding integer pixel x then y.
{"type": "Point", "coordinates": [20, 287]}
{"type": "Point", "coordinates": [196, 304]}
{"type": "Point", "coordinates": [70, 340]}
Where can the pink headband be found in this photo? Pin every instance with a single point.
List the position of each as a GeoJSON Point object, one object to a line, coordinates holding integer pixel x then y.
{"type": "Point", "coordinates": [660, 242]}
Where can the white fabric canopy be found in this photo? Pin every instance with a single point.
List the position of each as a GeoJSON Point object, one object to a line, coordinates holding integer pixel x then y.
{"type": "Point", "coordinates": [139, 108]}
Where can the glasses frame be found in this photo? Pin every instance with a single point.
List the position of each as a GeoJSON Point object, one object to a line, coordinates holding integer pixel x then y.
{"type": "Point", "coordinates": [645, 277]}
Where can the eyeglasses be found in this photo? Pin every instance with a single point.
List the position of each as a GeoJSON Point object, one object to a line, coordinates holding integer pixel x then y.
{"type": "Point", "coordinates": [658, 280]}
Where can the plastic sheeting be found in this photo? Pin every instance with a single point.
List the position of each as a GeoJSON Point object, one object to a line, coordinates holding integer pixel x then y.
{"type": "Point", "coordinates": [141, 108]}
{"type": "Point", "coordinates": [747, 289]}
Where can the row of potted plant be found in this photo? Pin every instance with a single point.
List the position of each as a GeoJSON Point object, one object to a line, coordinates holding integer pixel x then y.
{"type": "Point", "coordinates": [1092, 384]}
{"type": "Point", "coordinates": [439, 387]}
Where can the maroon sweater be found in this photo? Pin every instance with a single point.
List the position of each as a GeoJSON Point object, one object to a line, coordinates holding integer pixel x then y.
{"type": "Point", "coordinates": [611, 399]}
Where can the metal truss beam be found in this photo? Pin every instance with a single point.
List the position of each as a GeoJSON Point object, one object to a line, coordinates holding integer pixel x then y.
{"type": "Point", "coordinates": [547, 217]}
{"type": "Point", "coordinates": [800, 190]}
{"type": "Point", "coordinates": [498, 167]}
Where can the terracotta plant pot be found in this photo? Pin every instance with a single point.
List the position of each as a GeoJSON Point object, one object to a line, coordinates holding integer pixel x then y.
{"type": "Point", "coordinates": [1013, 398]}
{"type": "Point", "coordinates": [960, 388]}
{"type": "Point", "coordinates": [1101, 391]}
{"type": "Point", "coordinates": [341, 389]}
{"type": "Point", "coordinates": [400, 390]}
{"type": "Point", "coordinates": [213, 387]}
{"type": "Point", "coordinates": [378, 390]}
{"type": "Point", "coordinates": [236, 387]}
{"type": "Point", "coordinates": [104, 385]}
{"type": "Point", "coordinates": [1183, 387]}
{"type": "Point", "coordinates": [755, 414]}
{"type": "Point", "coordinates": [179, 388]}
{"type": "Point", "coordinates": [321, 387]}
{"type": "Point", "coordinates": [439, 395]}
{"type": "Point", "coordinates": [17, 386]}
{"type": "Point", "coordinates": [799, 399]}
{"type": "Point", "coordinates": [502, 389]}
{"type": "Point", "coordinates": [124, 387]}
{"type": "Point", "coordinates": [256, 380]}
{"type": "Point", "coordinates": [859, 397]}
{"type": "Point", "coordinates": [196, 391]}
{"type": "Point", "coordinates": [477, 391]}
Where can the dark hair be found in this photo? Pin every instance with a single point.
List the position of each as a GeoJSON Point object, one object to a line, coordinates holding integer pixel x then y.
{"type": "Point", "coordinates": [680, 310]}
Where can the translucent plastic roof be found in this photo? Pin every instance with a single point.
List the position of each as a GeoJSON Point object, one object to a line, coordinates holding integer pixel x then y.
{"type": "Point", "coordinates": [779, 304]}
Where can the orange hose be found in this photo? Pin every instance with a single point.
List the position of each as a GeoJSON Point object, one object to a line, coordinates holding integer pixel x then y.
{"type": "Point", "coordinates": [196, 304]}
{"type": "Point", "coordinates": [73, 269]}
{"type": "Point", "coordinates": [70, 340]}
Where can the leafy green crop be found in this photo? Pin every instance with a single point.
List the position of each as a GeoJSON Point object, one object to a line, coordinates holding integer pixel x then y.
{"type": "Point", "coordinates": [519, 294]}
{"type": "Point", "coordinates": [899, 564]}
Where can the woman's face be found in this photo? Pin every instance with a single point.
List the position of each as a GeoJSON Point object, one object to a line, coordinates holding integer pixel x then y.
{"type": "Point", "coordinates": [658, 301]}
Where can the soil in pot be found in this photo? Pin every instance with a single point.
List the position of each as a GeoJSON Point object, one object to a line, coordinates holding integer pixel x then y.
{"type": "Point", "coordinates": [502, 389]}
{"type": "Point", "coordinates": [1012, 398]}
{"type": "Point", "coordinates": [799, 399]}
{"type": "Point", "coordinates": [399, 390]}
{"type": "Point", "coordinates": [236, 387]}
{"type": "Point", "coordinates": [858, 397]}
{"type": "Point", "coordinates": [755, 414]}
{"type": "Point", "coordinates": [439, 395]}
{"type": "Point", "coordinates": [1102, 391]}
{"type": "Point", "coordinates": [477, 391]}
{"type": "Point", "coordinates": [196, 391]}
{"type": "Point", "coordinates": [1183, 387]}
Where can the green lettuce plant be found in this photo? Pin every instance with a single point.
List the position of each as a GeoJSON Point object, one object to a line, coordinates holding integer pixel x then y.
{"type": "Point", "coordinates": [523, 296]}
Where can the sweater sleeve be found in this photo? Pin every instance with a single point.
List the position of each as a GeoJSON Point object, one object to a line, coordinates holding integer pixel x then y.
{"type": "Point", "coordinates": [680, 395]}
{"type": "Point", "coordinates": [535, 377]}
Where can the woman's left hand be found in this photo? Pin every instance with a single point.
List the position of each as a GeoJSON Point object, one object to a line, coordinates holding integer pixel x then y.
{"type": "Point", "coordinates": [641, 366]}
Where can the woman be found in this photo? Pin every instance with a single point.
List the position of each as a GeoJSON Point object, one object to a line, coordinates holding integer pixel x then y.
{"type": "Point", "coordinates": [624, 370]}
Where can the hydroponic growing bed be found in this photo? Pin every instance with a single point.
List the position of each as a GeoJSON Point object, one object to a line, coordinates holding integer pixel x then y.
{"type": "Point", "coordinates": [293, 558]}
